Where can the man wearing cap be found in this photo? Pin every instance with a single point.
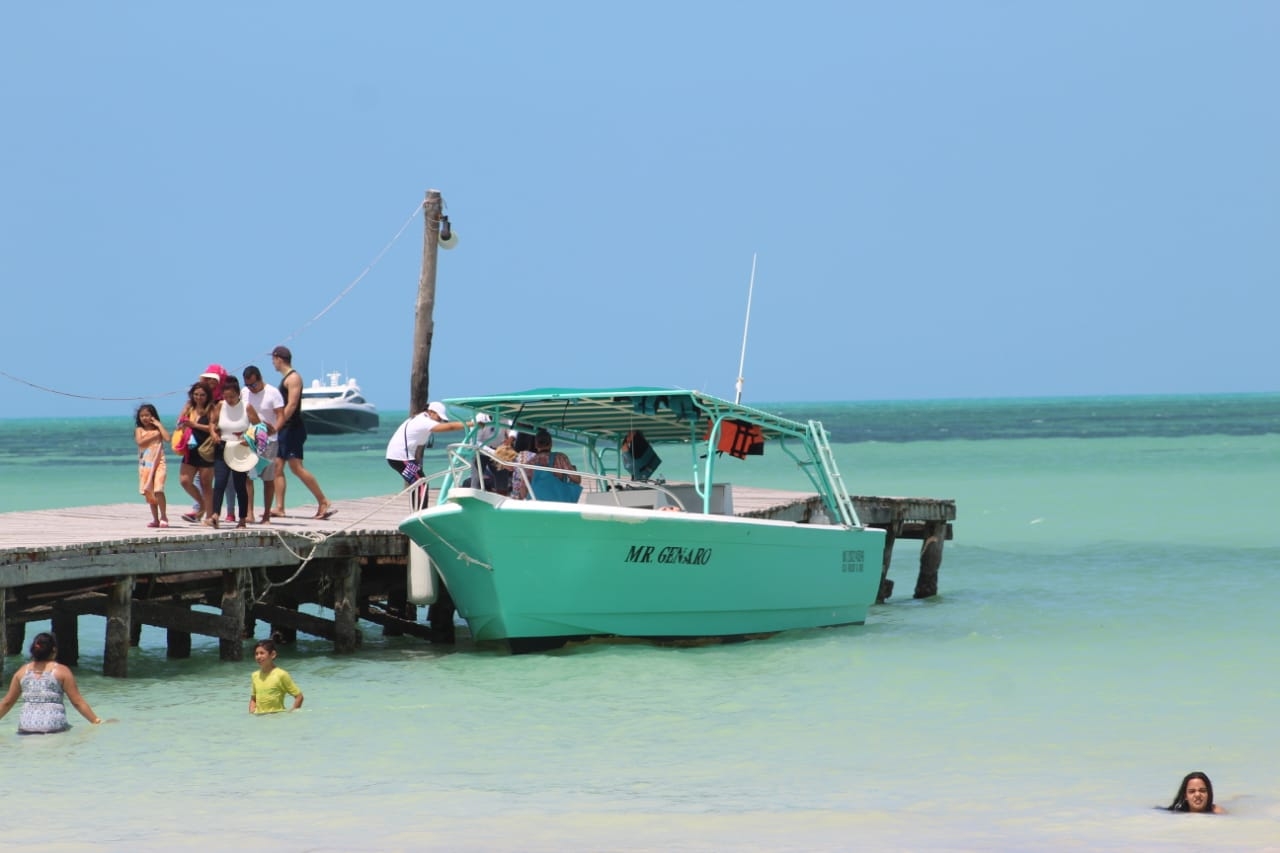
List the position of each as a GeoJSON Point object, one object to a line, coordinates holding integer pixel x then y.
{"type": "Point", "coordinates": [293, 431]}
{"type": "Point", "coordinates": [411, 438]}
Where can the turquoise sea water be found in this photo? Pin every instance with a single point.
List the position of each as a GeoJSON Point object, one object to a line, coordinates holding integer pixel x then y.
{"type": "Point", "coordinates": [1107, 623]}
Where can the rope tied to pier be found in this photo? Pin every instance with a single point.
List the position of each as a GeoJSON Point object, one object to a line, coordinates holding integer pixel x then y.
{"type": "Point", "coordinates": [318, 539]}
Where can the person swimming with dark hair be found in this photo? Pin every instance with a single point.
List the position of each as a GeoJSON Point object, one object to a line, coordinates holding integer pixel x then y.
{"type": "Point", "coordinates": [1195, 795]}
{"type": "Point", "coordinates": [42, 684]}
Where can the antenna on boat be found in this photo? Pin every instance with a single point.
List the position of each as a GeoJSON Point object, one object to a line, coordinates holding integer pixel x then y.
{"type": "Point", "coordinates": [737, 397]}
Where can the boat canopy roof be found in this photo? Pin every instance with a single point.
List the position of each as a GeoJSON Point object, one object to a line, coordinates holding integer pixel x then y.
{"type": "Point", "coordinates": [664, 415]}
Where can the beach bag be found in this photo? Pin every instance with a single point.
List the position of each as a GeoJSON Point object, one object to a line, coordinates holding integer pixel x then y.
{"type": "Point", "coordinates": [208, 448]}
{"type": "Point", "coordinates": [549, 487]}
{"type": "Point", "coordinates": [179, 439]}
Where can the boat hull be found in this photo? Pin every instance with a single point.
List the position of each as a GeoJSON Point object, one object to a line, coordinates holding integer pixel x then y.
{"type": "Point", "coordinates": [536, 573]}
{"type": "Point", "coordinates": [337, 420]}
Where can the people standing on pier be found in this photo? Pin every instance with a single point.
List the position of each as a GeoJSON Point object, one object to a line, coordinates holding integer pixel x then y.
{"type": "Point", "coordinates": [195, 474]}
{"type": "Point", "coordinates": [232, 416]}
{"type": "Point", "coordinates": [151, 437]}
{"type": "Point", "coordinates": [293, 433]}
{"type": "Point", "coordinates": [269, 404]}
{"type": "Point", "coordinates": [42, 684]}
{"type": "Point", "coordinates": [1195, 795]}
{"type": "Point", "coordinates": [270, 683]}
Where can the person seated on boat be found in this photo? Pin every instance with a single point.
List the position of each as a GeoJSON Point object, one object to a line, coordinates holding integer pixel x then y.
{"type": "Point", "coordinates": [543, 456]}
{"type": "Point", "coordinates": [483, 467]}
{"type": "Point", "coordinates": [504, 453]}
{"type": "Point", "coordinates": [638, 455]}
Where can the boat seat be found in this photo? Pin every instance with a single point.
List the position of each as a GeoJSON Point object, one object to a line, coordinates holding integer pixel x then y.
{"type": "Point", "coordinates": [721, 498]}
{"type": "Point", "coordinates": [639, 498]}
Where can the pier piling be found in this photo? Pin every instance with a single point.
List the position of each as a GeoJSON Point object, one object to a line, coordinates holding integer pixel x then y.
{"type": "Point", "coordinates": [346, 592]}
{"type": "Point", "coordinates": [115, 657]}
{"type": "Point", "coordinates": [231, 648]}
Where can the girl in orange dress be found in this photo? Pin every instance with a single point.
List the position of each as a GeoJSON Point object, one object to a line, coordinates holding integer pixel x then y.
{"type": "Point", "coordinates": [151, 438]}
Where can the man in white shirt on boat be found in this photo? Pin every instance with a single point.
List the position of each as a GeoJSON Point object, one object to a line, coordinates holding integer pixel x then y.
{"type": "Point", "coordinates": [269, 404]}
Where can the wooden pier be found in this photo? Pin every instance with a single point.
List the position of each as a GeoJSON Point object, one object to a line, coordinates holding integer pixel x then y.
{"type": "Point", "coordinates": [60, 564]}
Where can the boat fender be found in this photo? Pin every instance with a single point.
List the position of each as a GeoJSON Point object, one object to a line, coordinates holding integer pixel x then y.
{"type": "Point", "coordinates": [423, 582]}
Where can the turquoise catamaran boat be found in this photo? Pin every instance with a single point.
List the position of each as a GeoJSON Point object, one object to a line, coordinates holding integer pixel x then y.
{"type": "Point", "coordinates": [636, 555]}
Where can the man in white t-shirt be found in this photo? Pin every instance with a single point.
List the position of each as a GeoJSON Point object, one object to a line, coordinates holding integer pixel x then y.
{"type": "Point", "coordinates": [268, 402]}
{"type": "Point", "coordinates": [410, 438]}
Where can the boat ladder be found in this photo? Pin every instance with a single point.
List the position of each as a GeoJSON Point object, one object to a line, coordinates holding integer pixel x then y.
{"type": "Point", "coordinates": [831, 476]}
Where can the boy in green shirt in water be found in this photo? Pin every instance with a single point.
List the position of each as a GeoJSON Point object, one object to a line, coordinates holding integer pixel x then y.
{"type": "Point", "coordinates": [270, 682]}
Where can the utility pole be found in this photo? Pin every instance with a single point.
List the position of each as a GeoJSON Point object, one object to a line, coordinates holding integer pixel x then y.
{"type": "Point", "coordinates": [423, 323]}
{"type": "Point", "coordinates": [440, 613]}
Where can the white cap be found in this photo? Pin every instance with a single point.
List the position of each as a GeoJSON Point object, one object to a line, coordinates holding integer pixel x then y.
{"type": "Point", "coordinates": [484, 418]}
{"type": "Point", "coordinates": [438, 409]}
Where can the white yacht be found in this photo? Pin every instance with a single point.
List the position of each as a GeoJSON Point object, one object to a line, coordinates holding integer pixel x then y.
{"type": "Point", "coordinates": [337, 407]}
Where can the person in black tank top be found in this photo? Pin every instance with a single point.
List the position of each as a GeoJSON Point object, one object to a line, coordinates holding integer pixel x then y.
{"type": "Point", "coordinates": [293, 435]}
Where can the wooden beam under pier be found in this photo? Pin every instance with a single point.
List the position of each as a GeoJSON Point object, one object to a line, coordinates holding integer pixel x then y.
{"type": "Point", "coordinates": [392, 624]}
{"type": "Point", "coordinates": [294, 620]}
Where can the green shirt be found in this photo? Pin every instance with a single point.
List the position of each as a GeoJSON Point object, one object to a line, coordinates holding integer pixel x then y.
{"type": "Point", "coordinates": [269, 690]}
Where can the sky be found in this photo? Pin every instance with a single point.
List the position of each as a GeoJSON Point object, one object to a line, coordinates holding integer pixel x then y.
{"type": "Point", "coordinates": [944, 199]}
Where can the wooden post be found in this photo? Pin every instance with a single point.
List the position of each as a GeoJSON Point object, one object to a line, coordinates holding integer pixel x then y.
{"type": "Point", "coordinates": [935, 533]}
{"type": "Point", "coordinates": [891, 532]}
{"type": "Point", "coordinates": [423, 322]}
{"type": "Point", "coordinates": [66, 628]}
{"type": "Point", "coordinates": [115, 655]}
{"type": "Point", "coordinates": [15, 634]}
{"type": "Point", "coordinates": [440, 617]}
{"type": "Point", "coordinates": [233, 586]}
{"type": "Point", "coordinates": [346, 590]}
{"type": "Point", "coordinates": [177, 643]}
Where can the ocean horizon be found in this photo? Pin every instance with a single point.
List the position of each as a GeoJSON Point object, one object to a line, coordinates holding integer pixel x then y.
{"type": "Point", "coordinates": [1105, 625]}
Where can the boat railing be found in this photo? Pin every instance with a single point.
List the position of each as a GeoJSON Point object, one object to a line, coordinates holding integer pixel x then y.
{"type": "Point", "coordinates": [464, 463]}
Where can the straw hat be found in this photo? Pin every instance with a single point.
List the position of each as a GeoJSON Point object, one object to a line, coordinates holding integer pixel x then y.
{"type": "Point", "coordinates": [239, 457]}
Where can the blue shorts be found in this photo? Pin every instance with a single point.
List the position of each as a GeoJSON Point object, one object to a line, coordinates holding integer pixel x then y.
{"type": "Point", "coordinates": [291, 440]}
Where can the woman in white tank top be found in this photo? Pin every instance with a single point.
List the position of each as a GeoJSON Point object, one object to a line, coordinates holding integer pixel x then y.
{"type": "Point", "coordinates": [232, 417]}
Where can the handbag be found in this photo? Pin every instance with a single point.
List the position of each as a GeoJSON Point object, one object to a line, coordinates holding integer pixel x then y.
{"type": "Point", "coordinates": [412, 471]}
{"type": "Point", "coordinates": [549, 487]}
{"type": "Point", "coordinates": [208, 448]}
{"type": "Point", "coordinates": [179, 439]}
